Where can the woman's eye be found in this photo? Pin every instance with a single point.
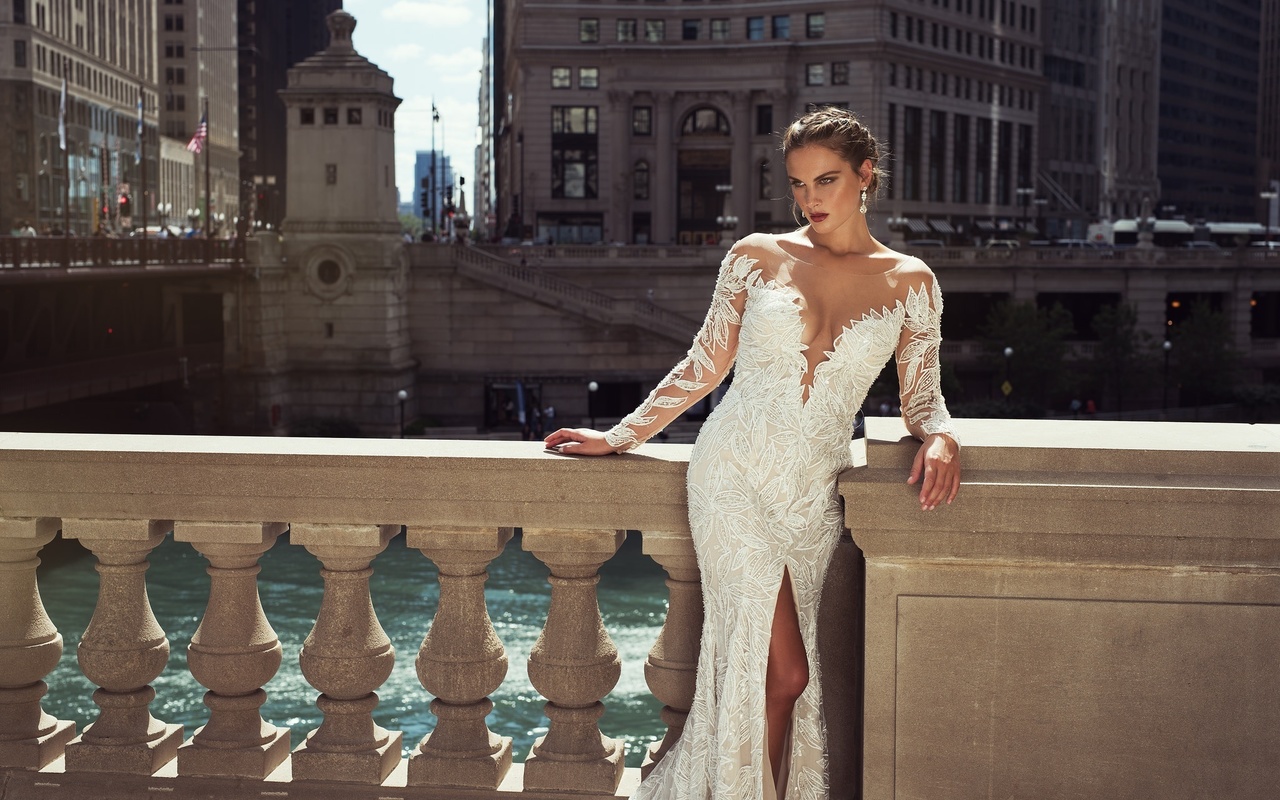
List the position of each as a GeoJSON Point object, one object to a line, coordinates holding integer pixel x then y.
{"type": "Point", "coordinates": [825, 181]}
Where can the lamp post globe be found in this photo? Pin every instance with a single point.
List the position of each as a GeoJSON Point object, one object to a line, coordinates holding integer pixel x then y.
{"type": "Point", "coordinates": [402, 395]}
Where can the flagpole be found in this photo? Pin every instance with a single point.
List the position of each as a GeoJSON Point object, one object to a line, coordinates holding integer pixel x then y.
{"type": "Point", "coordinates": [142, 156]}
{"type": "Point", "coordinates": [66, 177]}
{"type": "Point", "coordinates": [208, 146]}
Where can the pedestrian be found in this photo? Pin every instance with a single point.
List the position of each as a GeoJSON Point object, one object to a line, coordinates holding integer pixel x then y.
{"type": "Point", "coordinates": [763, 508]}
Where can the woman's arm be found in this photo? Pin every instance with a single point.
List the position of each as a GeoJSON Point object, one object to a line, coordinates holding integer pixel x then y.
{"type": "Point", "coordinates": [701, 370]}
{"type": "Point", "coordinates": [920, 390]}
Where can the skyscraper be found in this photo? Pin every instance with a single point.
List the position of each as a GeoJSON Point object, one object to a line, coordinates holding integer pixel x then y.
{"type": "Point", "coordinates": [274, 35]}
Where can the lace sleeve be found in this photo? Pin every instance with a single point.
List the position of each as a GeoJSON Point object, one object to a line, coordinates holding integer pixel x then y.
{"type": "Point", "coordinates": [702, 369]}
{"type": "Point", "coordinates": [920, 386]}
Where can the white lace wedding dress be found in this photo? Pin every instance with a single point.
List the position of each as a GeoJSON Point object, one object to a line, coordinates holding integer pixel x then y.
{"type": "Point", "coordinates": [809, 340]}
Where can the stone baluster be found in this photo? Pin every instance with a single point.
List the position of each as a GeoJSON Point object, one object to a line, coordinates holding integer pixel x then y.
{"type": "Point", "coordinates": [574, 664]}
{"type": "Point", "coordinates": [122, 651]}
{"type": "Point", "coordinates": [30, 647]}
{"type": "Point", "coordinates": [233, 654]}
{"type": "Point", "coordinates": [671, 668]}
{"type": "Point", "coordinates": [347, 656]}
{"type": "Point", "coordinates": [461, 662]}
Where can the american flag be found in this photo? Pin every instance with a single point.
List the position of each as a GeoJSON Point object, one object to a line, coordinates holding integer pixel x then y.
{"type": "Point", "coordinates": [202, 132]}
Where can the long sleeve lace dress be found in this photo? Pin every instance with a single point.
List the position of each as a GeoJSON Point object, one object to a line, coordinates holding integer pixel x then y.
{"type": "Point", "coordinates": [808, 342]}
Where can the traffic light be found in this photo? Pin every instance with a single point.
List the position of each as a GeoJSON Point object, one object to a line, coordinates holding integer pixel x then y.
{"type": "Point", "coordinates": [262, 204]}
{"type": "Point", "coordinates": [126, 206]}
{"type": "Point", "coordinates": [424, 201]}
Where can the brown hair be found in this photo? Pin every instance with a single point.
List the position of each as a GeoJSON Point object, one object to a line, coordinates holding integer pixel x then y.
{"type": "Point", "coordinates": [840, 131]}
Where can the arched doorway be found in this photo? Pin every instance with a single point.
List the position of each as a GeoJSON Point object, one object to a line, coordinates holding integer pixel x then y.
{"type": "Point", "coordinates": [703, 175]}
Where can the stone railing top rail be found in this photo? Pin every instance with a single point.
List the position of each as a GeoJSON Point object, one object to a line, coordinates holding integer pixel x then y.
{"type": "Point", "coordinates": [493, 483]}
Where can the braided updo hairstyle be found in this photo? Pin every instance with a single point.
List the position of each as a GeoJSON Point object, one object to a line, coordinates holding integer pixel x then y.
{"type": "Point", "coordinates": [840, 131]}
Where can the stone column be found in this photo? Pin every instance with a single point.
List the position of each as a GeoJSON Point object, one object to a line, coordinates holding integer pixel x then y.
{"type": "Point", "coordinates": [662, 198]}
{"type": "Point", "coordinates": [742, 198]}
{"type": "Point", "coordinates": [671, 668]}
{"type": "Point", "coordinates": [346, 656]}
{"type": "Point", "coordinates": [461, 662]}
{"type": "Point", "coordinates": [30, 647]}
{"type": "Point", "coordinates": [122, 651]}
{"type": "Point", "coordinates": [233, 654]}
{"type": "Point", "coordinates": [573, 664]}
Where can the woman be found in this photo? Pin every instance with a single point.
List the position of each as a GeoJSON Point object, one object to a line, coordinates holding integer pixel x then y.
{"type": "Point", "coordinates": [810, 318]}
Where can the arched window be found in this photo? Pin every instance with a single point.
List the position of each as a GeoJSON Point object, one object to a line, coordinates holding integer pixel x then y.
{"type": "Point", "coordinates": [705, 120]}
{"type": "Point", "coordinates": [640, 181]}
{"type": "Point", "coordinates": [766, 180]}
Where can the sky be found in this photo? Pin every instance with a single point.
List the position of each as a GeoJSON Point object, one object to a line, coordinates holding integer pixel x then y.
{"type": "Point", "coordinates": [431, 49]}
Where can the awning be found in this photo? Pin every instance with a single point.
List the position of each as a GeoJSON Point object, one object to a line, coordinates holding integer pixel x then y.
{"type": "Point", "coordinates": [942, 226]}
{"type": "Point", "coordinates": [983, 225]}
{"type": "Point", "coordinates": [918, 226]}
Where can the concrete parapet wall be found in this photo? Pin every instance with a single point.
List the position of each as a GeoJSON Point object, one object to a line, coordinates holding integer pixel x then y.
{"type": "Point", "coordinates": [1096, 615]}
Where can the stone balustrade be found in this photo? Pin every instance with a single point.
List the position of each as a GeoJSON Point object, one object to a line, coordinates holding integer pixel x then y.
{"type": "Point", "coordinates": [1096, 616]}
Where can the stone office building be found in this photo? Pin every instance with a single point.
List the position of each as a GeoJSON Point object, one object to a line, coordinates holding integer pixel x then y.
{"type": "Point", "coordinates": [107, 61]}
{"type": "Point", "coordinates": [658, 122]}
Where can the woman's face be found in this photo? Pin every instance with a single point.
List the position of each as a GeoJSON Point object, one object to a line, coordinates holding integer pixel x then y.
{"type": "Point", "coordinates": [825, 186]}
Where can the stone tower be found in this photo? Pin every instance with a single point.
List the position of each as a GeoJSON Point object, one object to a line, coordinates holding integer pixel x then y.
{"type": "Point", "coordinates": [325, 332]}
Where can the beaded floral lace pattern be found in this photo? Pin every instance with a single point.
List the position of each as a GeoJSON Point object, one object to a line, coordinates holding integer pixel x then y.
{"type": "Point", "coordinates": [762, 499]}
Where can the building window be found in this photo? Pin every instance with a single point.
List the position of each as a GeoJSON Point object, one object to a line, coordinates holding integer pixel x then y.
{"type": "Point", "coordinates": [588, 30]}
{"type": "Point", "coordinates": [755, 29]}
{"type": "Point", "coordinates": [982, 162]}
{"type": "Point", "coordinates": [175, 76]}
{"type": "Point", "coordinates": [655, 30]}
{"type": "Point", "coordinates": [909, 164]}
{"type": "Point", "coordinates": [588, 77]}
{"type": "Point", "coordinates": [893, 74]}
{"type": "Point", "coordinates": [960, 160]}
{"type": "Point", "coordinates": [720, 30]}
{"type": "Point", "coordinates": [937, 155]}
{"type": "Point", "coordinates": [893, 24]}
{"type": "Point", "coordinates": [331, 116]}
{"type": "Point", "coordinates": [574, 151]}
{"type": "Point", "coordinates": [307, 116]}
{"type": "Point", "coordinates": [354, 116]}
{"type": "Point", "coordinates": [815, 75]}
{"type": "Point", "coordinates": [19, 53]}
{"type": "Point", "coordinates": [561, 78]}
{"type": "Point", "coordinates": [174, 22]}
{"type": "Point", "coordinates": [839, 73]}
{"type": "Point", "coordinates": [640, 181]}
{"type": "Point", "coordinates": [642, 121]}
{"type": "Point", "coordinates": [175, 50]}
{"type": "Point", "coordinates": [690, 30]}
{"type": "Point", "coordinates": [765, 180]}
{"type": "Point", "coordinates": [782, 26]}
{"type": "Point", "coordinates": [705, 120]}
{"type": "Point", "coordinates": [764, 120]}
{"type": "Point", "coordinates": [626, 30]}
{"type": "Point", "coordinates": [815, 25]}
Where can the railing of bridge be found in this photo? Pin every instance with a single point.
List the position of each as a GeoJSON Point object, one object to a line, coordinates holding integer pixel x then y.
{"type": "Point", "coordinates": [19, 252]}
{"type": "Point", "coordinates": [1160, 538]}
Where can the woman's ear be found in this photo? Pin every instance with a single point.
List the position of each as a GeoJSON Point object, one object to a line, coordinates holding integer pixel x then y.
{"type": "Point", "coordinates": [867, 172]}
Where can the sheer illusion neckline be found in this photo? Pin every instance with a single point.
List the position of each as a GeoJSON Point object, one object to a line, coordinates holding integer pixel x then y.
{"type": "Point", "coordinates": [809, 378]}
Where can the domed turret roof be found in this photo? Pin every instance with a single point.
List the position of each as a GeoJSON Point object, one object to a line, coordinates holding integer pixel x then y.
{"type": "Point", "coordinates": [339, 58]}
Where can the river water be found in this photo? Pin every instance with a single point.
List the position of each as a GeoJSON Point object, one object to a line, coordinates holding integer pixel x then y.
{"type": "Point", "coordinates": [632, 600]}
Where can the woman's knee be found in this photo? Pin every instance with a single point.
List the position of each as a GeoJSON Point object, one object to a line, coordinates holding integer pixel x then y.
{"type": "Point", "coordinates": [787, 678]}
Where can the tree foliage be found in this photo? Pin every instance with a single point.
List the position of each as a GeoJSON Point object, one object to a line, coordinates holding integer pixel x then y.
{"type": "Point", "coordinates": [1123, 360]}
{"type": "Point", "coordinates": [1204, 356]}
{"type": "Point", "coordinates": [1038, 336]}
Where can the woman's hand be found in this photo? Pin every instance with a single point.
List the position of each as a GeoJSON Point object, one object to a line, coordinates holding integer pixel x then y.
{"type": "Point", "coordinates": [938, 461]}
{"type": "Point", "coordinates": [579, 442]}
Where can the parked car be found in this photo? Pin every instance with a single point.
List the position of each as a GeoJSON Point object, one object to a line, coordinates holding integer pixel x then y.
{"type": "Point", "coordinates": [1202, 245]}
{"type": "Point", "coordinates": [1271, 246]}
{"type": "Point", "coordinates": [1006, 244]}
{"type": "Point", "coordinates": [1077, 244]}
{"type": "Point", "coordinates": [926, 243]}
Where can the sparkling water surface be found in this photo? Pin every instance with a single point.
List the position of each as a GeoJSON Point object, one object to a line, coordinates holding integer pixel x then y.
{"type": "Point", "coordinates": [405, 591]}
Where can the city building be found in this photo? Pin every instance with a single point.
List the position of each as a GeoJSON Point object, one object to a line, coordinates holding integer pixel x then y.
{"type": "Point", "coordinates": [1098, 121]}
{"type": "Point", "coordinates": [107, 63]}
{"type": "Point", "coordinates": [658, 123]}
{"type": "Point", "coordinates": [436, 169]}
{"type": "Point", "coordinates": [198, 81]}
{"type": "Point", "coordinates": [484, 219]}
{"type": "Point", "coordinates": [1269, 112]}
{"type": "Point", "coordinates": [1209, 70]}
{"type": "Point", "coordinates": [272, 36]}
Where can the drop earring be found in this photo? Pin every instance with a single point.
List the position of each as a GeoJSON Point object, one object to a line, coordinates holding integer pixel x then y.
{"type": "Point", "coordinates": [863, 208]}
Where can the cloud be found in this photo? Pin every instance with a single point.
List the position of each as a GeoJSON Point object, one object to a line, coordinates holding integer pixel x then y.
{"type": "Point", "coordinates": [405, 52]}
{"type": "Point", "coordinates": [434, 14]}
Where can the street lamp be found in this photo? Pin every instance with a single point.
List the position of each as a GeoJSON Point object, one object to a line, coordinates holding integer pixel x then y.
{"type": "Point", "coordinates": [402, 395]}
{"type": "Point", "coordinates": [1024, 196]}
{"type": "Point", "coordinates": [592, 388]}
{"type": "Point", "coordinates": [1007, 387]}
{"type": "Point", "coordinates": [1270, 196]}
{"type": "Point", "coordinates": [1167, 347]}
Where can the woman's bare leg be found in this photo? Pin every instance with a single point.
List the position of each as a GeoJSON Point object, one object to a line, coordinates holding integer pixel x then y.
{"type": "Point", "coordinates": [787, 674]}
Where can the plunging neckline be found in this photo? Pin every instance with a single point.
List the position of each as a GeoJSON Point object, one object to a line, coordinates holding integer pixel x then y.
{"type": "Point", "coordinates": [811, 372]}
